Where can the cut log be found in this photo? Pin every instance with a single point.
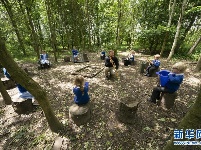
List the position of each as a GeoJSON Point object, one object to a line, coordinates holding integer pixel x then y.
{"type": "Point", "coordinates": [80, 114]}
{"type": "Point", "coordinates": [23, 107]}
{"type": "Point", "coordinates": [127, 111]}
{"type": "Point", "coordinates": [9, 84]}
{"type": "Point", "coordinates": [66, 59]}
{"type": "Point", "coordinates": [85, 57]}
{"type": "Point", "coordinates": [167, 100]}
{"type": "Point", "coordinates": [143, 66]}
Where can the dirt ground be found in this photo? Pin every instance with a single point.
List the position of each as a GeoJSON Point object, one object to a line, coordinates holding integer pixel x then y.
{"type": "Point", "coordinates": [153, 125]}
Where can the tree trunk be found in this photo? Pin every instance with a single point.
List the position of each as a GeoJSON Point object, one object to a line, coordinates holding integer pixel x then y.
{"type": "Point", "coordinates": [192, 120]}
{"type": "Point", "coordinates": [51, 23]}
{"type": "Point", "coordinates": [28, 83]}
{"type": "Point", "coordinates": [5, 95]}
{"type": "Point", "coordinates": [35, 41]}
{"type": "Point", "coordinates": [118, 23]}
{"type": "Point", "coordinates": [178, 30]}
{"type": "Point", "coordinates": [14, 24]}
{"type": "Point", "coordinates": [198, 66]}
{"type": "Point", "coordinates": [187, 29]}
{"type": "Point", "coordinates": [171, 11]}
{"type": "Point", "coordinates": [195, 45]}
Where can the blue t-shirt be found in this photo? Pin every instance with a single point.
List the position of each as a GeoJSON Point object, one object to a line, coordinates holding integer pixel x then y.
{"type": "Point", "coordinates": [75, 52]}
{"type": "Point", "coordinates": [131, 57]}
{"type": "Point", "coordinates": [174, 81]}
{"type": "Point", "coordinates": [44, 56]}
{"type": "Point", "coordinates": [81, 98]}
{"type": "Point", "coordinates": [156, 63]}
{"type": "Point", "coordinates": [21, 88]}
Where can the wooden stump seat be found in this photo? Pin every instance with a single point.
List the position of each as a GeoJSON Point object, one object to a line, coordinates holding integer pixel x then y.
{"type": "Point", "coordinates": [80, 114]}
{"type": "Point", "coordinates": [143, 66]}
{"type": "Point", "coordinates": [85, 57]}
{"type": "Point", "coordinates": [66, 59]}
{"type": "Point", "coordinates": [9, 84]}
{"type": "Point", "coordinates": [23, 107]}
{"type": "Point", "coordinates": [167, 100]}
{"type": "Point", "coordinates": [153, 74]}
{"type": "Point", "coordinates": [133, 63]}
{"type": "Point", "coordinates": [127, 111]}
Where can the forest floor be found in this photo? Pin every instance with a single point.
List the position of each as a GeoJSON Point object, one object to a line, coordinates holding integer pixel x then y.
{"type": "Point", "coordinates": [153, 125]}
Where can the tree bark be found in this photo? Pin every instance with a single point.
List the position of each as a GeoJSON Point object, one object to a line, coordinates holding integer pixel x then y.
{"type": "Point", "coordinates": [118, 23]}
{"type": "Point", "coordinates": [195, 45]}
{"type": "Point", "coordinates": [14, 24]}
{"type": "Point", "coordinates": [171, 11]}
{"type": "Point", "coordinates": [36, 44]}
{"type": "Point", "coordinates": [52, 23]}
{"type": "Point", "coordinates": [178, 30]}
{"type": "Point", "coordinates": [192, 120]}
{"type": "Point", "coordinates": [5, 95]}
{"type": "Point", "coordinates": [28, 83]}
{"type": "Point", "coordinates": [198, 66]}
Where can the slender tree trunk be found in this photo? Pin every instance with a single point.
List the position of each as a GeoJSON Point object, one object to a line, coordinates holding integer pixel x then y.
{"type": "Point", "coordinates": [33, 87]}
{"type": "Point", "coordinates": [5, 95]}
{"type": "Point", "coordinates": [192, 120]}
{"type": "Point", "coordinates": [14, 24]}
{"type": "Point", "coordinates": [171, 11]}
{"type": "Point", "coordinates": [181, 39]}
{"type": "Point", "coordinates": [35, 41]}
{"type": "Point", "coordinates": [178, 30]}
{"type": "Point", "coordinates": [195, 45]}
{"type": "Point", "coordinates": [51, 22]}
{"type": "Point", "coordinates": [198, 66]}
{"type": "Point", "coordinates": [118, 23]}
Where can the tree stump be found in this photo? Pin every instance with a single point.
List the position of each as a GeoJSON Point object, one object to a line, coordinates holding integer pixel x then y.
{"type": "Point", "coordinates": [85, 57]}
{"type": "Point", "coordinates": [23, 107]}
{"type": "Point", "coordinates": [143, 66]}
{"type": "Point", "coordinates": [133, 63]}
{"type": "Point", "coordinates": [9, 84]}
{"type": "Point", "coordinates": [153, 74]}
{"type": "Point", "coordinates": [167, 100]}
{"type": "Point", "coordinates": [66, 59]}
{"type": "Point", "coordinates": [127, 111]}
{"type": "Point", "coordinates": [80, 114]}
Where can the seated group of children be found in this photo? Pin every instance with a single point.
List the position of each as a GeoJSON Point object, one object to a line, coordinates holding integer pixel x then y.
{"type": "Point", "coordinates": [174, 80]}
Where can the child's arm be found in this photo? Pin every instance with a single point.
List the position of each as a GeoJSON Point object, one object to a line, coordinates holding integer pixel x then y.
{"type": "Point", "coordinates": [175, 78]}
{"type": "Point", "coordinates": [156, 63]}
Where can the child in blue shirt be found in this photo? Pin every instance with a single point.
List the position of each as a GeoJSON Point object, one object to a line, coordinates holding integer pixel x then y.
{"type": "Point", "coordinates": [23, 93]}
{"type": "Point", "coordinates": [175, 78]}
{"type": "Point", "coordinates": [44, 60]}
{"type": "Point", "coordinates": [75, 54]}
{"type": "Point", "coordinates": [81, 91]}
{"type": "Point", "coordinates": [154, 65]}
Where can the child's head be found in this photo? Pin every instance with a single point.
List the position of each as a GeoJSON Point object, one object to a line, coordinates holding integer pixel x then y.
{"type": "Point", "coordinates": [178, 67]}
{"type": "Point", "coordinates": [79, 81]}
{"type": "Point", "coordinates": [111, 53]}
{"type": "Point", "coordinates": [157, 56]}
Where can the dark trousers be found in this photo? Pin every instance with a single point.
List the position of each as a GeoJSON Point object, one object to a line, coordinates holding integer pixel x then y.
{"type": "Point", "coordinates": [156, 93]}
{"type": "Point", "coordinates": [127, 62]}
{"type": "Point", "coordinates": [150, 70]}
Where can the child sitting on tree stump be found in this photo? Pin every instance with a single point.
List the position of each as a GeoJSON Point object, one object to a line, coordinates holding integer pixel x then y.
{"type": "Point", "coordinates": [130, 59]}
{"type": "Point", "coordinates": [81, 91]}
{"type": "Point", "coordinates": [153, 65]}
{"type": "Point", "coordinates": [175, 78]}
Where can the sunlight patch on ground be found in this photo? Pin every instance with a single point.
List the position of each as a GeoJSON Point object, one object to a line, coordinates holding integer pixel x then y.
{"type": "Point", "coordinates": [65, 85]}
{"type": "Point", "coordinates": [193, 81]}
